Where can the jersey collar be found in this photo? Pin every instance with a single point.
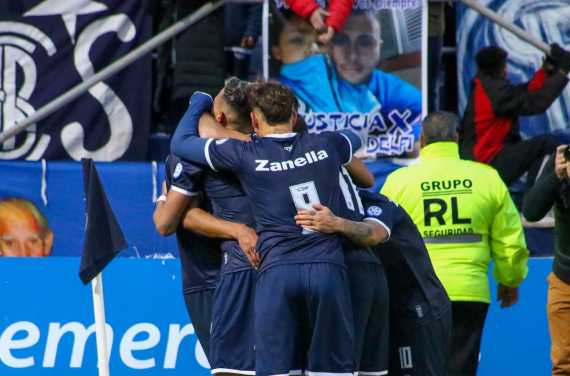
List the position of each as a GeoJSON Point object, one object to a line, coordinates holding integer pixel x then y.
{"type": "Point", "coordinates": [440, 150]}
{"type": "Point", "coordinates": [281, 135]}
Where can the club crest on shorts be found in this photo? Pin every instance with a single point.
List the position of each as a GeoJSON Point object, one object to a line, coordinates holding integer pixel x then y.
{"type": "Point", "coordinates": [177, 170]}
{"type": "Point", "coordinates": [374, 211]}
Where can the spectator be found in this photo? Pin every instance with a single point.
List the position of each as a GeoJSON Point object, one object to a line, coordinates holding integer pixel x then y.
{"type": "Point", "coordinates": [489, 130]}
{"type": "Point", "coordinates": [326, 22]}
{"type": "Point", "coordinates": [242, 29]}
{"type": "Point", "coordinates": [553, 188]}
{"type": "Point", "coordinates": [436, 30]}
{"type": "Point", "coordinates": [24, 230]}
{"type": "Point", "coordinates": [466, 217]}
{"type": "Point", "coordinates": [195, 60]}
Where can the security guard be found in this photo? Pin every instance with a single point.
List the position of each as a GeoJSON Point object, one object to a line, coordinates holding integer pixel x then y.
{"type": "Point", "coordinates": [466, 217]}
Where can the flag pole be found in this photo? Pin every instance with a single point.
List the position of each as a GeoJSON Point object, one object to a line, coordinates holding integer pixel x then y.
{"type": "Point", "coordinates": [101, 335]}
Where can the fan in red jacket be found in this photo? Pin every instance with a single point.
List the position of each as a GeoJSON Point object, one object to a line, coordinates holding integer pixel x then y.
{"type": "Point", "coordinates": [336, 14]}
{"type": "Point", "coordinates": [489, 129]}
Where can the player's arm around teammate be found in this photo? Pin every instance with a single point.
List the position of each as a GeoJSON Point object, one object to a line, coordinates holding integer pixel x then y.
{"type": "Point", "coordinates": [367, 233]}
{"type": "Point", "coordinates": [177, 207]}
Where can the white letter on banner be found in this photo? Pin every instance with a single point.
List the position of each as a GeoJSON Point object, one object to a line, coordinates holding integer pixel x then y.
{"type": "Point", "coordinates": [201, 356]}
{"type": "Point", "coordinates": [175, 336]}
{"type": "Point", "coordinates": [128, 345]}
{"type": "Point", "coordinates": [80, 336]}
{"type": "Point", "coordinates": [8, 343]}
{"type": "Point", "coordinates": [73, 136]}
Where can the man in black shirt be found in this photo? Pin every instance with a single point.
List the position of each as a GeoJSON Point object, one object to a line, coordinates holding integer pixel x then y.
{"type": "Point", "coordinates": [553, 188]}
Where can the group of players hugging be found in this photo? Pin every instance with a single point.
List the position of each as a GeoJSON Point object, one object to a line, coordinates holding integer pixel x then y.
{"type": "Point", "coordinates": [290, 266]}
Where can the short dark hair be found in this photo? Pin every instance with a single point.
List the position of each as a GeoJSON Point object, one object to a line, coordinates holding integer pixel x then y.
{"type": "Point", "coordinates": [275, 101]}
{"type": "Point", "coordinates": [236, 95]}
{"type": "Point", "coordinates": [491, 60]}
{"type": "Point", "coordinates": [440, 126]}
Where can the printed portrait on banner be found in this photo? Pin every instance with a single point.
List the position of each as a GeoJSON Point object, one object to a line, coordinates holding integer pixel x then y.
{"type": "Point", "coordinates": [367, 79]}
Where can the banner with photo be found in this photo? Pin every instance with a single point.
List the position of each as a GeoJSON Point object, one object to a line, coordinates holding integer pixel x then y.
{"type": "Point", "coordinates": [368, 78]}
{"type": "Point", "coordinates": [42, 208]}
{"type": "Point", "coordinates": [547, 20]}
{"type": "Point", "coordinates": [49, 46]}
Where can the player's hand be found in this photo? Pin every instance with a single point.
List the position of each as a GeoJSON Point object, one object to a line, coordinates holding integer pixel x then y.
{"type": "Point", "coordinates": [508, 296]}
{"type": "Point", "coordinates": [561, 165]}
{"type": "Point", "coordinates": [560, 57]}
{"type": "Point", "coordinates": [320, 219]}
{"type": "Point", "coordinates": [247, 239]}
{"type": "Point", "coordinates": [164, 188]}
{"type": "Point", "coordinates": [317, 18]}
{"type": "Point", "coordinates": [327, 36]}
{"type": "Point", "coordinates": [248, 41]}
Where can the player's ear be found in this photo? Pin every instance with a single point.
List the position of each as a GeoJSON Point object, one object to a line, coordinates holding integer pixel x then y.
{"type": "Point", "coordinates": [294, 117]}
{"type": "Point", "coordinates": [221, 118]}
{"type": "Point", "coordinates": [254, 121]}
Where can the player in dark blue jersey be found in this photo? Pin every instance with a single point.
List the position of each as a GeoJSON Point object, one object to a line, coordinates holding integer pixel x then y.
{"type": "Point", "coordinates": [199, 256]}
{"type": "Point", "coordinates": [302, 305]}
{"type": "Point", "coordinates": [368, 285]}
{"type": "Point", "coordinates": [231, 349]}
{"type": "Point", "coordinates": [232, 342]}
{"type": "Point", "coordinates": [420, 317]}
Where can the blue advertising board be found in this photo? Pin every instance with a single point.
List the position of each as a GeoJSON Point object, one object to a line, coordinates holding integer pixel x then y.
{"type": "Point", "coordinates": [46, 320]}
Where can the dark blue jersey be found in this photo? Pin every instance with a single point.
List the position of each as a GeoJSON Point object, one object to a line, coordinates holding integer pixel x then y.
{"type": "Point", "coordinates": [229, 202]}
{"type": "Point", "coordinates": [415, 291]}
{"type": "Point", "coordinates": [199, 256]}
{"type": "Point", "coordinates": [280, 174]}
{"type": "Point", "coordinates": [352, 208]}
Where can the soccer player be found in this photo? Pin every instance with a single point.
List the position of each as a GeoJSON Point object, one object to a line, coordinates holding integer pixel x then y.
{"type": "Point", "coordinates": [420, 311]}
{"type": "Point", "coordinates": [302, 304]}
{"type": "Point", "coordinates": [368, 285]}
{"type": "Point", "coordinates": [199, 256]}
{"type": "Point", "coordinates": [231, 349]}
{"type": "Point", "coordinates": [232, 343]}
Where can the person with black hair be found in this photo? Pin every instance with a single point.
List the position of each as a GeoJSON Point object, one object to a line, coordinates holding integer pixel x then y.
{"type": "Point", "coordinates": [489, 131]}
{"type": "Point", "coordinates": [553, 188]}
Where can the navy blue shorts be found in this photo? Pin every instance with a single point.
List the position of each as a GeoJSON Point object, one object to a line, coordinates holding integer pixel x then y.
{"type": "Point", "coordinates": [370, 306]}
{"type": "Point", "coordinates": [232, 346]}
{"type": "Point", "coordinates": [420, 349]}
{"type": "Point", "coordinates": [199, 307]}
{"type": "Point", "coordinates": [303, 319]}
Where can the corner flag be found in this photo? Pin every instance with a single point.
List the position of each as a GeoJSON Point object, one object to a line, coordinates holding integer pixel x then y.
{"type": "Point", "coordinates": [103, 236]}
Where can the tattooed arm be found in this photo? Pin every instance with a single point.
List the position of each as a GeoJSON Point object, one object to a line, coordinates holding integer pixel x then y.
{"type": "Point", "coordinates": [322, 219]}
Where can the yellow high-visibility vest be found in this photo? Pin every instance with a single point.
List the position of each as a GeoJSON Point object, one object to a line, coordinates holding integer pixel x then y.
{"type": "Point", "coordinates": [466, 217]}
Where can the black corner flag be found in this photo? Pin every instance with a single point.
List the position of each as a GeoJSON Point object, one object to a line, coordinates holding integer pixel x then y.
{"type": "Point", "coordinates": [103, 236]}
